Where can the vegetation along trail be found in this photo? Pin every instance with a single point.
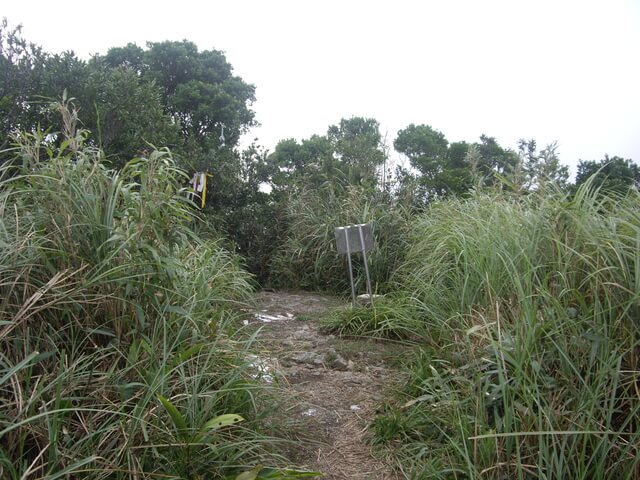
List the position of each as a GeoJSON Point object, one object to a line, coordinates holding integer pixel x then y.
{"type": "Point", "coordinates": [330, 386]}
{"type": "Point", "coordinates": [131, 347]}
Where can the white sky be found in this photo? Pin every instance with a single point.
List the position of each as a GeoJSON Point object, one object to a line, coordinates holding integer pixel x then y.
{"type": "Point", "coordinates": [550, 70]}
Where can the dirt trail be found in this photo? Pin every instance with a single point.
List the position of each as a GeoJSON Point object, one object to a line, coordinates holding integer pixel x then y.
{"type": "Point", "coordinates": [330, 385]}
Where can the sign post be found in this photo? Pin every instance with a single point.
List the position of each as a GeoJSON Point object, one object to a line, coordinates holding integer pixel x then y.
{"type": "Point", "coordinates": [352, 239]}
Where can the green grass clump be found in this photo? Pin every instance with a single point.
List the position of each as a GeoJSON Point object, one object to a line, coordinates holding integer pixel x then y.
{"type": "Point", "coordinates": [116, 359]}
{"type": "Point", "coordinates": [393, 319]}
{"type": "Point", "coordinates": [530, 364]}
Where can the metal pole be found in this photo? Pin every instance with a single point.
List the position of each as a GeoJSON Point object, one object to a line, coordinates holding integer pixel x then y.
{"type": "Point", "coordinates": [353, 288]}
{"type": "Point", "coordinates": [366, 264]}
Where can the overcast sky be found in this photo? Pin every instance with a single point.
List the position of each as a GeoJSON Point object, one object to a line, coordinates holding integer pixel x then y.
{"type": "Point", "coordinates": [549, 70]}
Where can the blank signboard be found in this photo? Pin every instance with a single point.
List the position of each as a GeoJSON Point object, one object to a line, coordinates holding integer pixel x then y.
{"type": "Point", "coordinates": [356, 242]}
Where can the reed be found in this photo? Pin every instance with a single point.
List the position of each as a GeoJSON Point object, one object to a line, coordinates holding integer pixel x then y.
{"type": "Point", "coordinates": [529, 366]}
{"type": "Point", "coordinates": [118, 357]}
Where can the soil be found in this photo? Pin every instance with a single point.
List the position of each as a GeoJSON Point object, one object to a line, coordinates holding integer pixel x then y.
{"type": "Point", "coordinates": [329, 387]}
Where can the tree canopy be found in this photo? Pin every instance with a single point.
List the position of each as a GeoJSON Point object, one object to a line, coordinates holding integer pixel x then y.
{"type": "Point", "coordinates": [446, 168]}
{"type": "Point", "coordinates": [168, 94]}
{"type": "Point", "coordinates": [615, 174]}
{"type": "Point", "coordinates": [349, 154]}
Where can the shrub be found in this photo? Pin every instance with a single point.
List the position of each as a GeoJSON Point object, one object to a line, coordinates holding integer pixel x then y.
{"type": "Point", "coordinates": [529, 367]}
{"type": "Point", "coordinates": [115, 360]}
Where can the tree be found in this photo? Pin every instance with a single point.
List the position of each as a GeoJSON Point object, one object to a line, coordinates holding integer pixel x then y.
{"type": "Point", "coordinates": [169, 94]}
{"type": "Point", "coordinates": [425, 147]}
{"type": "Point", "coordinates": [21, 65]}
{"type": "Point", "coordinates": [198, 90]}
{"type": "Point", "coordinates": [611, 175]}
{"type": "Point", "coordinates": [495, 159]}
{"type": "Point", "coordinates": [348, 155]}
{"type": "Point", "coordinates": [549, 168]}
{"type": "Point", "coordinates": [310, 161]}
{"type": "Point", "coordinates": [443, 169]}
{"type": "Point", "coordinates": [120, 112]}
{"type": "Point", "coordinates": [32, 80]}
{"type": "Point", "coordinates": [454, 168]}
{"type": "Point", "coordinates": [357, 144]}
{"type": "Point", "coordinates": [456, 177]}
{"type": "Point", "coordinates": [131, 56]}
{"type": "Point", "coordinates": [125, 113]}
{"type": "Point", "coordinates": [64, 71]}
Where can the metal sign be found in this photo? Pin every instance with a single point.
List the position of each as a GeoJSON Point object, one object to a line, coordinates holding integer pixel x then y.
{"type": "Point", "coordinates": [351, 239]}
{"type": "Point", "coordinates": [348, 238]}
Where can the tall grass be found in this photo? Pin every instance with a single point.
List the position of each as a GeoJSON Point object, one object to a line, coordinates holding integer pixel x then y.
{"type": "Point", "coordinates": [116, 356]}
{"type": "Point", "coordinates": [530, 366]}
{"type": "Point", "coordinates": [308, 258]}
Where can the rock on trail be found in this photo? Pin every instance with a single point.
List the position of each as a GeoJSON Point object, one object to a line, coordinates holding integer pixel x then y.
{"type": "Point", "coordinates": [330, 386]}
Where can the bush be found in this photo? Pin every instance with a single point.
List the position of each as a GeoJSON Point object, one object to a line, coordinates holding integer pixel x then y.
{"type": "Point", "coordinates": [115, 360]}
{"type": "Point", "coordinates": [530, 362]}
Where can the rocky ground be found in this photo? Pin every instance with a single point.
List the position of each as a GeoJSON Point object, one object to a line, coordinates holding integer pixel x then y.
{"type": "Point", "coordinates": [329, 386]}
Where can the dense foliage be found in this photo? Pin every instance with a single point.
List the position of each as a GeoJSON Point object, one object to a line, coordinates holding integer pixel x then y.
{"type": "Point", "coordinates": [118, 349]}
{"type": "Point", "coordinates": [173, 94]}
{"type": "Point", "coordinates": [308, 259]}
{"type": "Point", "coordinates": [114, 323]}
{"type": "Point", "coordinates": [611, 175]}
{"type": "Point", "coordinates": [170, 94]}
{"type": "Point", "coordinates": [526, 307]}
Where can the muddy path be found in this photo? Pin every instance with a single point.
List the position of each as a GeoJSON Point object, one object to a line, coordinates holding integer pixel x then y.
{"type": "Point", "coordinates": [329, 387]}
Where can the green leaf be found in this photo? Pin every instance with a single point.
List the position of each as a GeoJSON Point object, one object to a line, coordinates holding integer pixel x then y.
{"type": "Point", "coordinates": [221, 421]}
{"type": "Point", "coordinates": [176, 309]}
{"type": "Point", "coordinates": [421, 398]}
{"type": "Point", "coordinates": [216, 423]}
{"type": "Point", "coordinates": [140, 315]}
{"type": "Point", "coordinates": [23, 364]}
{"type": "Point", "coordinates": [176, 417]}
{"type": "Point", "coordinates": [73, 467]}
{"type": "Point", "coordinates": [190, 352]}
{"type": "Point", "coordinates": [250, 474]}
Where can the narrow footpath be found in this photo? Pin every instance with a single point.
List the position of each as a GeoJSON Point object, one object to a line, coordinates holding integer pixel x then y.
{"type": "Point", "coordinates": [329, 386]}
